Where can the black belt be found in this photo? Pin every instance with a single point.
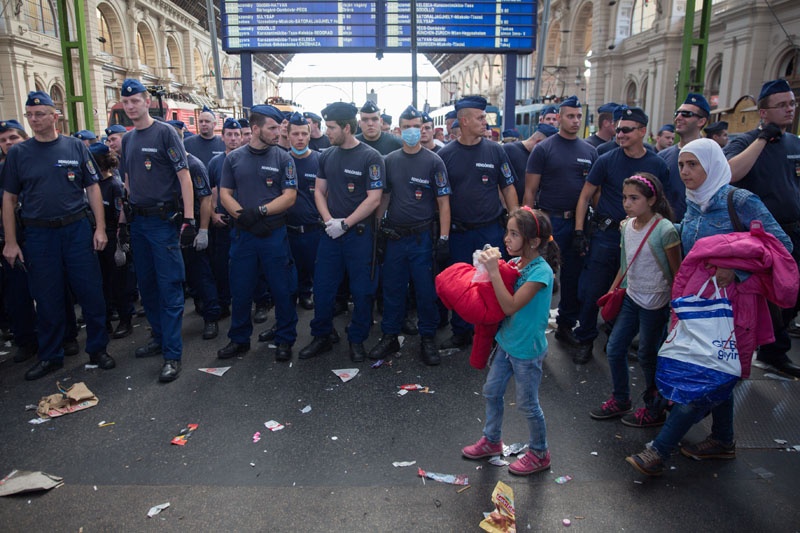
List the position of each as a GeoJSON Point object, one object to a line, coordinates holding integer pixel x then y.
{"type": "Point", "coordinates": [461, 227]}
{"type": "Point", "coordinates": [407, 230]}
{"type": "Point", "coordinates": [55, 222]}
{"type": "Point", "coordinates": [304, 228]}
{"type": "Point", "coordinates": [566, 215]}
{"type": "Point", "coordinates": [153, 211]}
{"type": "Point", "coordinates": [603, 222]}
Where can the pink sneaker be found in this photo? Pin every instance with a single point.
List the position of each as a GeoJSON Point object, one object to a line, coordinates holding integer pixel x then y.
{"type": "Point", "coordinates": [483, 448]}
{"type": "Point", "coordinates": [529, 464]}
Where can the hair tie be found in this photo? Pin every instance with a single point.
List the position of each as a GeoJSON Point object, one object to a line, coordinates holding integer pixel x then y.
{"type": "Point", "coordinates": [646, 182]}
{"type": "Point", "coordinates": [550, 239]}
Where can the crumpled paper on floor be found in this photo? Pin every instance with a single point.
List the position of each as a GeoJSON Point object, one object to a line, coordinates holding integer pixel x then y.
{"type": "Point", "coordinates": [22, 481]}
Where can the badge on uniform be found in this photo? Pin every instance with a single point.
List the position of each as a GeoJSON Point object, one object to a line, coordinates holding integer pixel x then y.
{"type": "Point", "coordinates": [485, 179]}
{"type": "Point", "coordinates": [148, 164]}
{"type": "Point", "coordinates": [506, 170]}
{"type": "Point", "coordinates": [270, 181]}
{"type": "Point", "coordinates": [118, 203]}
{"type": "Point", "coordinates": [70, 175]}
{"type": "Point", "coordinates": [290, 170]}
{"type": "Point", "coordinates": [173, 155]}
{"type": "Point", "coordinates": [351, 187]}
{"type": "Point", "coordinates": [374, 173]}
{"type": "Point", "coordinates": [198, 181]}
{"type": "Point", "coordinates": [441, 181]}
{"type": "Point", "coordinates": [90, 168]}
{"type": "Point", "coordinates": [418, 194]}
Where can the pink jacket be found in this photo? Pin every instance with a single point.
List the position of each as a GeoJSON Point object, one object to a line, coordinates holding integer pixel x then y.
{"type": "Point", "coordinates": [774, 277]}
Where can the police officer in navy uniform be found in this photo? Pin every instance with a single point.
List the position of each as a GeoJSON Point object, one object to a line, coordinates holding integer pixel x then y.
{"type": "Point", "coordinates": [56, 175]}
{"type": "Point", "coordinates": [88, 137]}
{"type": "Point", "coordinates": [371, 133]}
{"type": "Point", "coordinates": [477, 169]}
{"type": "Point", "coordinates": [766, 161]}
{"type": "Point", "coordinates": [602, 260]}
{"type": "Point", "coordinates": [518, 153]}
{"type": "Point", "coordinates": [347, 192]}
{"type": "Point", "coordinates": [319, 141]}
{"type": "Point", "coordinates": [206, 144]}
{"type": "Point", "coordinates": [554, 178]}
{"type": "Point", "coordinates": [220, 244]}
{"type": "Point", "coordinates": [416, 184]}
{"type": "Point", "coordinates": [259, 183]}
{"type": "Point", "coordinates": [718, 132]}
{"type": "Point", "coordinates": [114, 134]}
{"type": "Point", "coordinates": [247, 131]}
{"type": "Point", "coordinates": [605, 125]}
{"type": "Point", "coordinates": [155, 167]}
{"type": "Point", "coordinates": [426, 134]}
{"type": "Point", "coordinates": [199, 276]}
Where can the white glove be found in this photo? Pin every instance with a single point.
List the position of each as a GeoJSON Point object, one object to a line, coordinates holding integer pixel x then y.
{"type": "Point", "coordinates": [333, 228]}
{"type": "Point", "coordinates": [201, 241]}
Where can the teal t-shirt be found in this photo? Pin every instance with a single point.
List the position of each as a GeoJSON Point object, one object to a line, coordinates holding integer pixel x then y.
{"type": "Point", "coordinates": [521, 335]}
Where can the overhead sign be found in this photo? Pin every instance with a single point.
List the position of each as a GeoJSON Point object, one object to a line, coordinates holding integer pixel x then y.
{"type": "Point", "coordinates": [328, 26]}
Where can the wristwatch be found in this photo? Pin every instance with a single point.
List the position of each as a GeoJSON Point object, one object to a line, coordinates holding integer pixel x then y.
{"type": "Point", "coordinates": [444, 237]}
{"type": "Point", "coordinates": [263, 210]}
{"type": "Point", "coordinates": [345, 227]}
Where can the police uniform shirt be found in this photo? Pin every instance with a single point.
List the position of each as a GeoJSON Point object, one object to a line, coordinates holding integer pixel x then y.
{"type": "Point", "coordinates": [258, 176]}
{"type": "Point", "coordinates": [775, 176]}
{"type": "Point", "coordinates": [205, 149]}
{"type": "Point", "coordinates": [320, 143]}
{"type": "Point", "coordinates": [594, 140]}
{"type": "Point", "coordinates": [415, 181]}
{"type": "Point", "coordinates": [200, 183]}
{"type": "Point", "coordinates": [385, 144]}
{"type": "Point", "coordinates": [612, 169]}
{"type": "Point", "coordinates": [350, 173]}
{"type": "Point", "coordinates": [475, 172]}
{"type": "Point", "coordinates": [50, 175]}
{"type": "Point", "coordinates": [214, 177]}
{"type": "Point", "coordinates": [563, 165]}
{"type": "Point", "coordinates": [518, 155]}
{"type": "Point", "coordinates": [112, 191]}
{"type": "Point", "coordinates": [304, 211]}
{"type": "Point", "coordinates": [674, 189]}
{"type": "Point", "coordinates": [152, 158]}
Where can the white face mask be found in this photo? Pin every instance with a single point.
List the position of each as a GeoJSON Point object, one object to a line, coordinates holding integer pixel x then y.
{"type": "Point", "coordinates": [411, 136]}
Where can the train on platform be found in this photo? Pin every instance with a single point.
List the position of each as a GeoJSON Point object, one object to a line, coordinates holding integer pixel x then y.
{"type": "Point", "coordinates": [526, 117]}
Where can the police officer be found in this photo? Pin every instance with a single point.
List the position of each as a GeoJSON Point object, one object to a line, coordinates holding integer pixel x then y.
{"type": "Point", "coordinates": [220, 219]}
{"type": "Point", "coordinates": [519, 152]}
{"type": "Point", "coordinates": [718, 132]}
{"type": "Point", "coordinates": [205, 145]}
{"type": "Point", "coordinates": [426, 134]}
{"type": "Point", "coordinates": [319, 141]}
{"type": "Point", "coordinates": [371, 133]}
{"type": "Point", "coordinates": [602, 261]}
{"type": "Point", "coordinates": [605, 125]}
{"type": "Point", "coordinates": [263, 179]}
{"type": "Point", "coordinates": [549, 116]}
{"type": "Point", "coordinates": [416, 184]}
{"type": "Point", "coordinates": [247, 131]}
{"type": "Point", "coordinates": [56, 175]}
{"type": "Point", "coordinates": [449, 119]}
{"type": "Point", "coordinates": [348, 190]}
{"type": "Point", "coordinates": [766, 161]}
{"type": "Point", "coordinates": [114, 134]}
{"type": "Point", "coordinates": [199, 276]}
{"type": "Point", "coordinates": [477, 169]}
{"type": "Point", "coordinates": [88, 137]}
{"type": "Point", "coordinates": [690, 118]}
{"type": "Point", "coordinates": [386, 123]}
{"type": "Point", "coordinates": [155, 166]}
{"type": "Point", "coordinates": [665, 137]}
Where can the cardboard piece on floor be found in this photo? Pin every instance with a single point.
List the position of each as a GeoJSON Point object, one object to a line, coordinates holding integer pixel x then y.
{"type": "Point", "coordinates": [19, 481]}
{"type": "Point", "coordinates": [76, 398]}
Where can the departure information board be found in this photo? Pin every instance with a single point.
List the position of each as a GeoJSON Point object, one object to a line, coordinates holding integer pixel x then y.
{"type": "Point", "coordinates": [328, 26]}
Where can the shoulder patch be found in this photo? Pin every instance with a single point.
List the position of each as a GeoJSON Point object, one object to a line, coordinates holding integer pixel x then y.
{"type": "Point", "coordinates": [374, 172]}
{"type": "Point", "coordinates": [441, 181]}
{"type": "Point", "coordinates": [174, 155]}
{"type": "Point", "coordinates": [90, 167]}
{"type": "Point", "coordinates": [506, 170]}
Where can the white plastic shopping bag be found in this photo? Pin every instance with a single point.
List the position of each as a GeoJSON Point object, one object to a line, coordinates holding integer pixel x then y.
{"type": "Point", "coordinates": [699, 362]}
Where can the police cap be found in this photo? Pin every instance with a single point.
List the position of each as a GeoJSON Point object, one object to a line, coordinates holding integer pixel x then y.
{"type": "Point", "coordinates": [667, 127]}
{"type": "Point", "coordinates": [774, 87]}
{"type": "Point", "coordinates": [716, 127]}
{"type": "Point", "coordinates": [231, 124]}
{"type": "Point", "coordinates": [99, 148]}
{"type": "Point", "coordinates": [409, 113]}
{"type": "Point", "coordinates": [698, 100]}
{"type": "Point", "coordinates": [547, 129]}
{"type": "Point", "coordinates": [39, 98]}
{"type": "Point", "coordinates": [12, 124]}
{"type": "Point", "coordinates": [338, 111]}
{"type": "Point", "coordinates": [297, 119]}
{"type": "Point", "coordinates": [608, 107]}
{"type": "Point", "coordinates": [572, 101]}
{"type": "Point", "coordinates": [85, 135]}
{"type": "Point", "coordinates": [115, 128]}
{"type": "Point", "coordinates": [368, 107]}
{"type": "Point", "coordinates": [207, 109]}
{"type": "Point", "coordinates": [313, 116]}
{"type": "Point", "coordinates": [131, 86]}
{"type": "Point", "coordinates": [471, 102]}
{"type": "Point", "coordinates": [636, 114]}
{"type": "Point", "coordinates": [268, 111]}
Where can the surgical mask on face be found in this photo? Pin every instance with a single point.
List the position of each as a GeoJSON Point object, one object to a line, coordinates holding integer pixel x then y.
{"type": "Point", "coordinates": [410, 136]}
{"type": "Point", "coordinates": [295, 151]}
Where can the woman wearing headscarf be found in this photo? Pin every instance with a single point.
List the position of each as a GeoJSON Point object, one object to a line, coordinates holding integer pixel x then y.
{"type": "Point", "coordinates": [706, 174]}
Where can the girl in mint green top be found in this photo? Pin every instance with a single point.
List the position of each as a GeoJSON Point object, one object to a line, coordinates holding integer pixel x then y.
{"type": "Point", "coordinates": [521, 345]}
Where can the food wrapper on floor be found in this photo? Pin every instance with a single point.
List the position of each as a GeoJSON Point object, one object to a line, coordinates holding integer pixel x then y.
{"type": "Point", "coordinates": [504, 517]}
{"type": "Point", "coordinates": [21, 481]}
{"type": "Point", "coordinates": [76, 398]}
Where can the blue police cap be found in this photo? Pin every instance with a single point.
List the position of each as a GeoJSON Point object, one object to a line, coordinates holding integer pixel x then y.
{"type": "Point", "coordinates": [369, 107]}
{"type": "Point", "coordinates": [243, 122]}
{"type": "Point", "coordinates": [547, 129]}
{"type": "Point", "coordinates": [85, 135]}
{"type": "Point", "coordinates": [99, 148]}
{"type": "Point", "coordinates": [268, 111]}
{"type": "Point", "coordinates": [287, 114]}
{"type": "Point", "coordinates": [39, 98]}
{"type": "Point", "coordinates": [387, 119]}
{"type": "Point", "coordinates": [636, 114]}
{"type": "Point", "coordinates": [510, 133]}
{"type": "Point", "coordinates": [774, 87]}
{"type": "Point", "coordinates": [716, 127]}
{"type": "Point", "coordinates": [231, 124]}
{"type": "Point", "coordinates": [618, 111]}
{"type": "Point", "coordinates": [572, 101]}
{"type": "Point", "coordinates": [471, 102]}
{"type": "Point", "coordinates": [115, 128]}
{"type": "Point", "coordinates": [608, 107]}
{"type": "Point", "coordinates": [667, 127]}
{"type": "Point", "coordinates": [455, 124]}
{"type": "Point", "coordinates": [340, 111]}
{"type": "Point", "coordinates": [697, 99]}
{"type": "Point", "coordinates": [176, 124]}
{"type": "Point", "coordinates": [426, 118]}
{"type": "Point", "coordinates": [206, 109]}
{"type": "Point", "coordinates": [550, 110]}
{"type": "Point", "coordinates": [409, 113]}
{"type": "Point", "coordinates": [297, 119]}
{"type": "Point", "coordinates": [131, 86]}
{"type": "Point", "coordinates": [12, 124]}
{"type": "Point", "coordinates": [313, 116]}
{"type": "Point", "coordinates": [187, 134]}
{"type": "Point", "coordinates": [451, 114]}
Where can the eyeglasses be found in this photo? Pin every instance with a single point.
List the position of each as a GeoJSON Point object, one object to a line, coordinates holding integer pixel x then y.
{"type": "Point", "coordinates": [627, 129]}
{"type": "Point", "coordinates": [687, 114]}
{"type": "Point", "coordinates": [784, 105]}
{"type": "Point", "coordinates": [37, 115]}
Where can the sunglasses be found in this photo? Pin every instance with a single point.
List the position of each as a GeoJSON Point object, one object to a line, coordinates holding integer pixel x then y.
{"type": "Point", "coordinates": [687, 114]}
{"type": "Point", "coordinates": [626, 129]}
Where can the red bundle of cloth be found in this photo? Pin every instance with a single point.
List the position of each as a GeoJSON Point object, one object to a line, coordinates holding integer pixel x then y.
{"type": "Point", "coordinates": [475, 302]}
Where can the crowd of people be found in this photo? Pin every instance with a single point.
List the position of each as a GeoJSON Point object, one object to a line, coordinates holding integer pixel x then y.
{"type": "Point", "coordinates": [275, 213]}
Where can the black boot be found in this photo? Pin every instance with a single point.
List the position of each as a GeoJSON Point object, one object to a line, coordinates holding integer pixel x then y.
{"type": "Point", "coordinates": [124, 329]}
{"type": "Point", "coordinates": [429, 352]}
{"type": "Point", "coordinates": [387, 346]}
{"type": "Point", "coordinates": [317, 347]}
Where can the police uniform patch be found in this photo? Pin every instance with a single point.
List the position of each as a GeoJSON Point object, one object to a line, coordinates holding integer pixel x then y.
{"type": "Point", "coordinates": [118, 203]}
{"type": "Point", "coordinates": [290, 171]}
{"type": "Point", "coordinates": [174, 156]}
{"type": "Point", "coordinates": [270, 181]}
{"type": "Point", "coordinates": [351, 187]}
{"type": "Point", "coordinates": [374, 172]}
{"type": "Point", "coordinates": [506, 170]}
{"type": "Point", "coordinates": [418, 194]}
{"type": "Point", "coordinates": [291, 183]}
{"type": "Point", "coordinates": [70, 175]}
{"type": "Point", "coordinates": [485, 179]}
{"type": "Point", "coordinates": [198, 181]}
{"type": "Point", "coordinates": [440, 179]}
{"type": "Point", "coordinates": [90, 168]}
{"type": "Point", "coordinates": [148, 164]}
